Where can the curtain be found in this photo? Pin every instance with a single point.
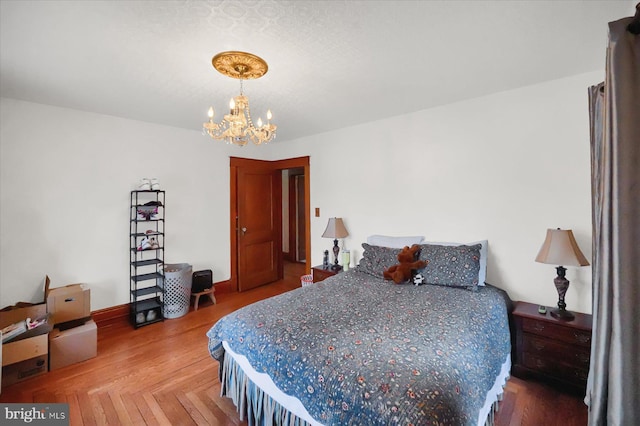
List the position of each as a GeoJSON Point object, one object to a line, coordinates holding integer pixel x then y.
{"type": "Point", "coordinates": [613, 388]}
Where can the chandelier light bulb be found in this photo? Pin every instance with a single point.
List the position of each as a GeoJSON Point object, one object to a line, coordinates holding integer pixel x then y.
{"type": "Point", "coordinates": [232, 104]}
{"type": "Point", "coordinates": [210, 113]}
{"type": "Point", "coordinates": [269, 115]}
{"type": "Point", "coordinates": [259, 122]}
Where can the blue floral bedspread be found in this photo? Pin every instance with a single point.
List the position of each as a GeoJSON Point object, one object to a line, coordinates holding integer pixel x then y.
{"type": "Point", "coordinates": [356, 349]}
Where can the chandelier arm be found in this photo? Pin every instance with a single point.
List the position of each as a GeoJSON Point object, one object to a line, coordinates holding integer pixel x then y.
{"type": "Point", "coordinates": [237, 127]}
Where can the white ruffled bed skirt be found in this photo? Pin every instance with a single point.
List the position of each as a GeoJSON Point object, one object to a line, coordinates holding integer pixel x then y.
{"type": "Point", "coordinates": [260, 408]}
{"type": "Point", "coordinates": [251, 401]}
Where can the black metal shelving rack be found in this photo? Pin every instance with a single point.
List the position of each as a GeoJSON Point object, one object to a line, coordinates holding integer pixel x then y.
{"type": "Point", "coordinates": [146, 266]}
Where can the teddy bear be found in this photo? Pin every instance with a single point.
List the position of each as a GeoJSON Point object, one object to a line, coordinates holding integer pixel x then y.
{"type": "Point", "coordinates": [408, 263]}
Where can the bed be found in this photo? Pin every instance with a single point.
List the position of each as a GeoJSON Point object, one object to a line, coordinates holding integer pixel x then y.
{"type": "Point", "coordinates": [355, 349]}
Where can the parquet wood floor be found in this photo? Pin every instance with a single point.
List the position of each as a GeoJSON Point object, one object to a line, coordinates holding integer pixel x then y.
{"type": "Point", "coordinates": [162, 374]}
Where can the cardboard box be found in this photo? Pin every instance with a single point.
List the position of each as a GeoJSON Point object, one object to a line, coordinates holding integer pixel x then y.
{"type": "Point", "coordinates": [23, 370]}
{"type": "Point", "coordinates": [68, 303]}
{"type": "Point", "coordinates": [26, 355]}
{"type": "Point", "coordinates": [13, 314]}
{"type": "Point", "coordinates": [70, 346]}
{"type": "Point", "coordinates": [24, 349]}
{"type": "Point", "coordinates": [30, 344]}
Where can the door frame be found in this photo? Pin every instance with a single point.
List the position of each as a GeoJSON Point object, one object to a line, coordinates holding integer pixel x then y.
{"type": "Point", "coordinates": [290, 163]}
{"type": "Point", "coordinates": [293, 224]}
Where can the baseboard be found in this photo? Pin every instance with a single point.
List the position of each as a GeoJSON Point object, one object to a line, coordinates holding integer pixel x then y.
{"type": "Point", "coordinates": [109, 315]}
{"type": "Point", "coordinates": [121, 312]}
{"type": "Point", "coordinates": [224, 287]}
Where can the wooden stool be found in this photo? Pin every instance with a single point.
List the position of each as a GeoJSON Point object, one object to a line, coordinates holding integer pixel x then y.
{"type": "Point", "coordinates": [208, 292]}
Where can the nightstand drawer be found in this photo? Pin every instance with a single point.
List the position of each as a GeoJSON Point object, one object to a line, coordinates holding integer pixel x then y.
{"type": "Point", "coordinates": [554, 368]}
{"type": "Point", "coordinates": [553, 331]}
{"type": "Point", "coordinates": [556, 351]}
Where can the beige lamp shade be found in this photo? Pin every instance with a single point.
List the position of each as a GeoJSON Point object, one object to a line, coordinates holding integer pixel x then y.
{"type": "Point", "coordinates": [335, 229]}
{"type": "Point", "coordinates": [560, 248]}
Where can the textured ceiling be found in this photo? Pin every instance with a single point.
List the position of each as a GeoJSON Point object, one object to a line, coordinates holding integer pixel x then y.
{"type": "Point", "coordinates": [332, 64]}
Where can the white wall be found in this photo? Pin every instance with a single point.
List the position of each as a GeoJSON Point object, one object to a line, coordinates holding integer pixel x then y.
{"type": "Point", "coordinates": [503, 167]}
{"type": "Point", "coordinates": [64, 199]}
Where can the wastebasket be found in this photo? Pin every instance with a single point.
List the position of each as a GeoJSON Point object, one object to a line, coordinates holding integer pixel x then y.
{"type": "Point", "coordinates": [177, 289]}
{"type": "Point", "coordinates": [306, 280]}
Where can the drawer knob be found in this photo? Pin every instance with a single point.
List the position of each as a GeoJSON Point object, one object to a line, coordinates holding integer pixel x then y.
{"type": "Point", "coordinates": [582, 375]}
{"type": "Point", "coordinates": [582, 338]}
{"type": "Point", "coordinates": [538, 326]}
{"type": "Point", "coordinates": [538, 346]}
{"type": "Point", "coordinates": [582, 358]}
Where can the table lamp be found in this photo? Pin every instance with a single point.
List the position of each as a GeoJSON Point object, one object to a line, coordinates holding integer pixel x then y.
{"type": "Point", "coordinates": [560, 248]}
{"type": "Point", "coordinates": [335, 229]}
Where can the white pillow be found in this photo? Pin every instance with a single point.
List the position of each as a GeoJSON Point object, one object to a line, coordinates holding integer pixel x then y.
{"type": "Point", "coordinates": [482, 274]}
{"type": "Point", "coordinates": [393, 242]}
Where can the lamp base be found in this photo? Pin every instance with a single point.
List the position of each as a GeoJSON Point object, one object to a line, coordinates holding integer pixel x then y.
{"type": "Point", "coordinates": [562, 314]}
{"type": "Point", "coordinates": [336, 251]}
{"type": "Point", "coordinates": [562, 285]}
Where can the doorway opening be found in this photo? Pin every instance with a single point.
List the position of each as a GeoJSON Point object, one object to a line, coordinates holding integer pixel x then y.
{"type": "Point", "coordinates": [269, 219]}
{"type": "Point", "coordinates": [293, 215]}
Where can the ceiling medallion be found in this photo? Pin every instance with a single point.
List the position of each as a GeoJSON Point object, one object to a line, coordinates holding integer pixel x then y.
{"type": "Point", "coordinates": [240, 65]}
{"type": "Point", "coordinates": [237, 127]}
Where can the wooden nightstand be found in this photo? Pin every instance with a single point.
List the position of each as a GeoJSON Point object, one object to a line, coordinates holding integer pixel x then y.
{"type": "Point", "coordinates": [552, 350]}
{"type": "Point", "coordinates": [320, 273]}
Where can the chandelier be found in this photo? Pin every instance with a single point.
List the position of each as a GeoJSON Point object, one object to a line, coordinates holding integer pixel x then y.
{"type": "Point", "coordinates": [237, 127]}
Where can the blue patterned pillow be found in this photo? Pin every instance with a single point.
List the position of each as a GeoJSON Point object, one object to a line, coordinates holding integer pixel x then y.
{"type": "Point", "coordinates": [453, 266]}
{"type": "Point", "coordinates": [376, 259]}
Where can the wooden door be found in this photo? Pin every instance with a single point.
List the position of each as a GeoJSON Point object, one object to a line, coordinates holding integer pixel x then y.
{"type": "Point", "coordinates": [259, 223]}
